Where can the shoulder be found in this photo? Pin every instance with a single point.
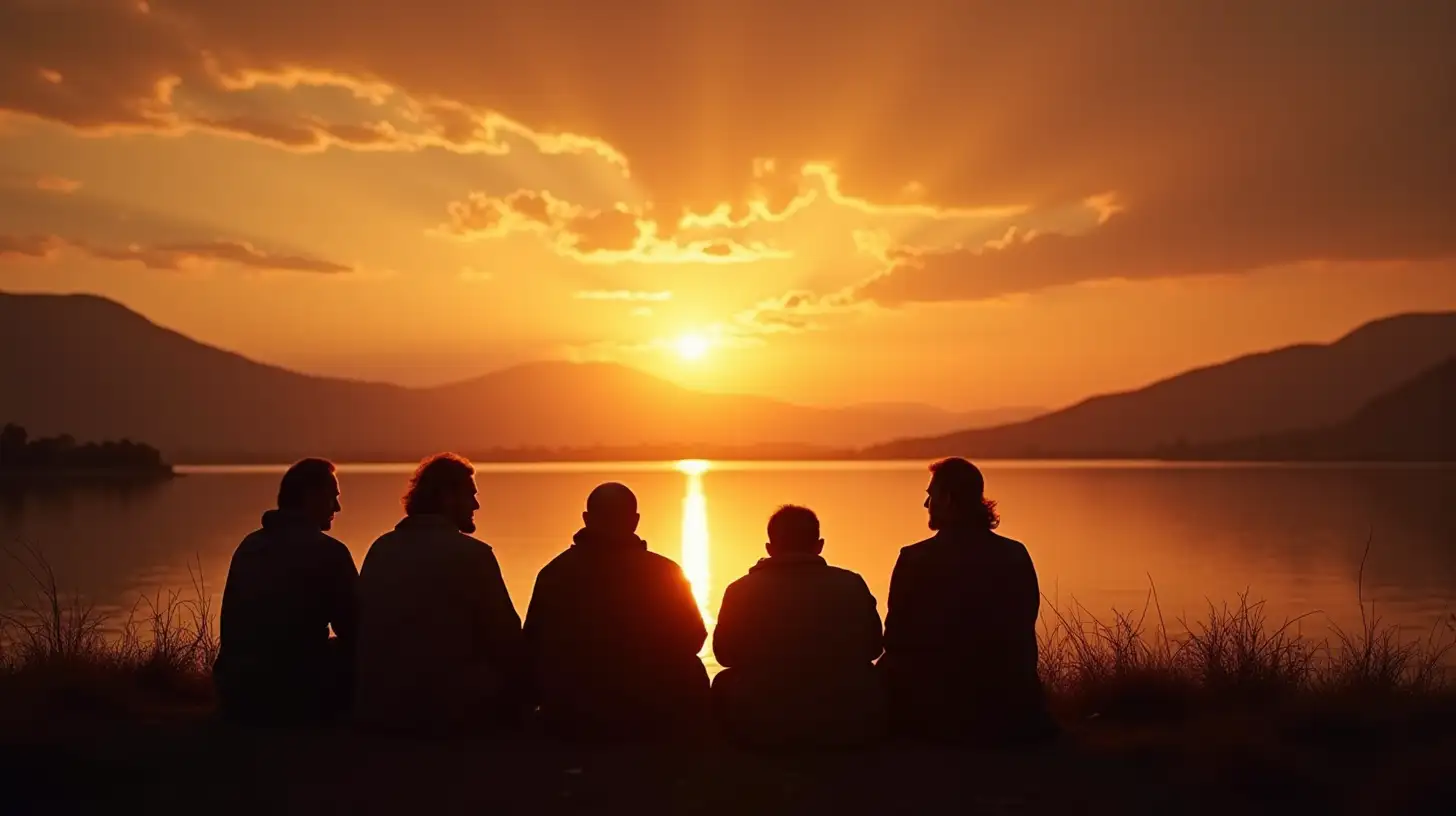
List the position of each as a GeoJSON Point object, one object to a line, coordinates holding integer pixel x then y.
{"type": "Point", "coordinates": [477, 552]}
{"type": "Point", "coordinates": [251, 548]}
{"type": "Point", "coordinates": [743, 584]}
{"type": "Point", "coordinates": [555, 567]}
{"type": "Point", "coordinates": [1015, 553]}
{"type": "Point", "coordinates": [848, 581]}
{"type": "Point", "coordinates": [846, 576]}
{"type": "Point", "coordinates": [919, 549]}
{"type": "Point", "coordinates": [1010, 545]}
{"type": "Point", "coordinates": [659, 563]}
{"type": "Point", "coordinates": [333, 548]}
{"type": "Point", "coordinates": [254, 539]}
{"type": "Point", "coordinates": [659, 568]}
{"type": "Point", "coordinates": [467, 540]}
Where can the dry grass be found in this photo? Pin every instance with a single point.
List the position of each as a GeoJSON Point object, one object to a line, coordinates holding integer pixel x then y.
{"type": "Point", "coordinates": [1131, 667]}
{"type": "Point", "coordinates": [59, 647]}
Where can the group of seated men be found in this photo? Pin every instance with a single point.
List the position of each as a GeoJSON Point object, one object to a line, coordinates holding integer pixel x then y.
{"type": "Point", "coordinates": [426, 641]}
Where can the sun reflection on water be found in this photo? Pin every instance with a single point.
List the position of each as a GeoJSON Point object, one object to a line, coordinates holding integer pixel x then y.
{"type": "Point", "coordinates": [695, 532]}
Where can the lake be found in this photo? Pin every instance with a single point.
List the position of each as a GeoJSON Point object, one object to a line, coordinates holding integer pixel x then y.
{"type": "Point", "coordinates": [1101, 533]}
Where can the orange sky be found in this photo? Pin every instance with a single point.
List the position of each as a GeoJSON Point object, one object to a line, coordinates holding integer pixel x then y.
{"type": "Point", "coordinates": [972, 204]}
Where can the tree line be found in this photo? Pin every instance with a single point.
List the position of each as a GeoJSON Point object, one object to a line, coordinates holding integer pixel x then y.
{"type": "Point", "coordinates": [19, 452]}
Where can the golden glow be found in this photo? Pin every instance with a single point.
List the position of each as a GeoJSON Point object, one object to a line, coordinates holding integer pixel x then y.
{"type": "Point", "coordinates": [695, 533]}
{"type": "Point", "coordinates": [693, 467]}
{"type": "Point", "coordinates": [692, 346]}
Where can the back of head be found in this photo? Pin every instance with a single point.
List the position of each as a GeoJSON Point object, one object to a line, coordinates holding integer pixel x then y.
{"type": "Point", "coordinates": [611, 508]}
{"type": "Point", "coordinates": [794, 530]}
{"type": "Point", "coordinates": [310, 488]}
{"type": "Point", "coordinates": [958, 496]}
{"type": "Point", "coordinates": [436, 483]}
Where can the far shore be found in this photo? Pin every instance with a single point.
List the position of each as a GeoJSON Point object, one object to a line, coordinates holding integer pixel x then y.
{"type": "Point", "coordinates": [63, 476]}
{"type": "Point", "coordinates": [638, 459]}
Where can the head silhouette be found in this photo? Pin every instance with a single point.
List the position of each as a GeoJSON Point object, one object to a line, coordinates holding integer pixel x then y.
{"type": "Point", "coordinates": [794, 530]}
{"type": "Point", "coordinates": [444, 485]}
{"type": "Point", "coordinates": [611, 508]}
{"type": "Point", "coordinates": [310, 489]}
{"type": "Point", "coordinates": [956, 497]}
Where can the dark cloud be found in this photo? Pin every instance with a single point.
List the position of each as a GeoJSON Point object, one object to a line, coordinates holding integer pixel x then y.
{"type": "Point", "coordinates": [484, 216]}
{"type": "Point", "coordinates": [1212, 230]}
{"type": "Point", "coordinates": [14, 181]}
{"type": "Point", "coordinates": [172, 257]}
{"type": "Point", "coordinates": [1237, 133]}
{"type": "Point", "coordinates": [239, 253]}
{"type": "Point", "coordinates": [616, 234]}
{"type": "Point", "coordinates": [794, 312]}
{"type": "Point", "coordinates": [28, 246]}
{"type": "Point", "coordinates": [612, 230]}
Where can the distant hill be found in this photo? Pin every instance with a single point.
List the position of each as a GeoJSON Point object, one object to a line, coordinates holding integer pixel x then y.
{"type": "Point", "coordinates": [1277, 392]}
{"type": "Point", "coordinates": [91, 367]}
{"type": "Point", "coordinates": [1415, 422]}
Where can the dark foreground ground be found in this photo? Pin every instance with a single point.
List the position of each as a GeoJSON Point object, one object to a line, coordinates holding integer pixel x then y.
{"type": "Point", "coordinates": [1400, 761]}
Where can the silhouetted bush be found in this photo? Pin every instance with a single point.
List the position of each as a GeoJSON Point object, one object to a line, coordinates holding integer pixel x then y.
{"type": "Point", "coordinates": [19, 452]}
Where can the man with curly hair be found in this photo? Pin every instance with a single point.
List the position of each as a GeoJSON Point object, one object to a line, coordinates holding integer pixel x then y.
{"type": "Point", "coordinates": [440, 648]}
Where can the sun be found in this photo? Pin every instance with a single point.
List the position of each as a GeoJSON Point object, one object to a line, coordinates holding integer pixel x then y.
{"type": "Point", "coordinates": [692, 346]}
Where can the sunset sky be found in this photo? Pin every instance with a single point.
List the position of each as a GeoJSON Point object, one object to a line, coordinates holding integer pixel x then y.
{"type": "Point", "coordinates": [970, 204]}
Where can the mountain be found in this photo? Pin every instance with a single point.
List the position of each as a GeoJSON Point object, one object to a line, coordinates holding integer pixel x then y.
{"type": "Point", "coordinates": [90, 367]}
{"type": "Point", "coordinates": [924, 416]}
{"type": "Point", "coordinates": [1276, 392]}
{"type": "Point", "coordinates": [1415, 422]}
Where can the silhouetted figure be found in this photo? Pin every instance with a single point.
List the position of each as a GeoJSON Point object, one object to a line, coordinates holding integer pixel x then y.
{"type": "Point", "coordinates": [960, 628]}
{"type": "Point", "coordinates": [288, 583]}
{"type": "Point", "coordinates": [439, 639]}
{"type": "Point", "coordinates": [798, 639]}
{"type": "Point", "coordinates": [614, 633]}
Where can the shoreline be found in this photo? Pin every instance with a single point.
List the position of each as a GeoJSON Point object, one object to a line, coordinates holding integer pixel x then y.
{"type": "Point", "coordinates": [70, 476]}
{"type": "Point", "coordinates": [640, 462]}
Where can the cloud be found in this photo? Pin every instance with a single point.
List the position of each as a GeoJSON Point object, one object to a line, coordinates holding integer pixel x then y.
{"type": "Point", "coordinates": [625, 295]}
{"type": "Point", "coordinates": [1174, 236]}
{"type": "Point", "coordinates": [616, 234]}
{"type": "Point", "coordinates": [108, 66]}
{"type": "Point", "coordinates": [57, 184]}
{"type": "Point", "coordinates": [173, 257]}
{"type": "Point", "coordinates": [795, 312]}
{"type": "Point", "coordinates": [479, 216]}
{"type": "Point", "coordinates": [238, 253]}
{"type": "Point", "coordinates": [1234, 135]}
{"type": "Point", "coordinates": [43, 182]}
{"type": "Point", "coordinates": [29, 246]}
{"type": "Point", "coordinates": [778, 195]}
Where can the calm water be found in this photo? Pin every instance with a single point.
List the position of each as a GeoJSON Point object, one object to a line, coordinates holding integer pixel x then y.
{"type": "Point", "coordinates": [1098, 532]}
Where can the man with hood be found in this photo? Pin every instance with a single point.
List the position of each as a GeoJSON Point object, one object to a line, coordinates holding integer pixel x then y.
{"type": "Point", "coordinates": [613, 633]}
{"type": "Point", "coordinates": [797, 639]}
{"type": "Point", "coordinates": [288, 584]}
{"type": "Point", "coordinates": [439, 639]}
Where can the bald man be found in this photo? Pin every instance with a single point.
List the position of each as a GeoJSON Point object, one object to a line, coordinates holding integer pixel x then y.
{"type": "Point", "coordinates": [613, 633]}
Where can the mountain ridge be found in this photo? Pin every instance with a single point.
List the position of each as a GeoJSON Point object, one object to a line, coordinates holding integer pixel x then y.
{"type": "Point", "coordinates": [90, 366]}
{"type": "Point", "coordinates": [1290, 389]}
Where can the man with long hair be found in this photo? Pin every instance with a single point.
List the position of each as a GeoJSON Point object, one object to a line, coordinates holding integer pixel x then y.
{"type": "Point", "coordinates": [960, 627]}
{"type": "Point", "coordinates": [439, 639]}
{"type": "Point", "coordinates": [289, 583]}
